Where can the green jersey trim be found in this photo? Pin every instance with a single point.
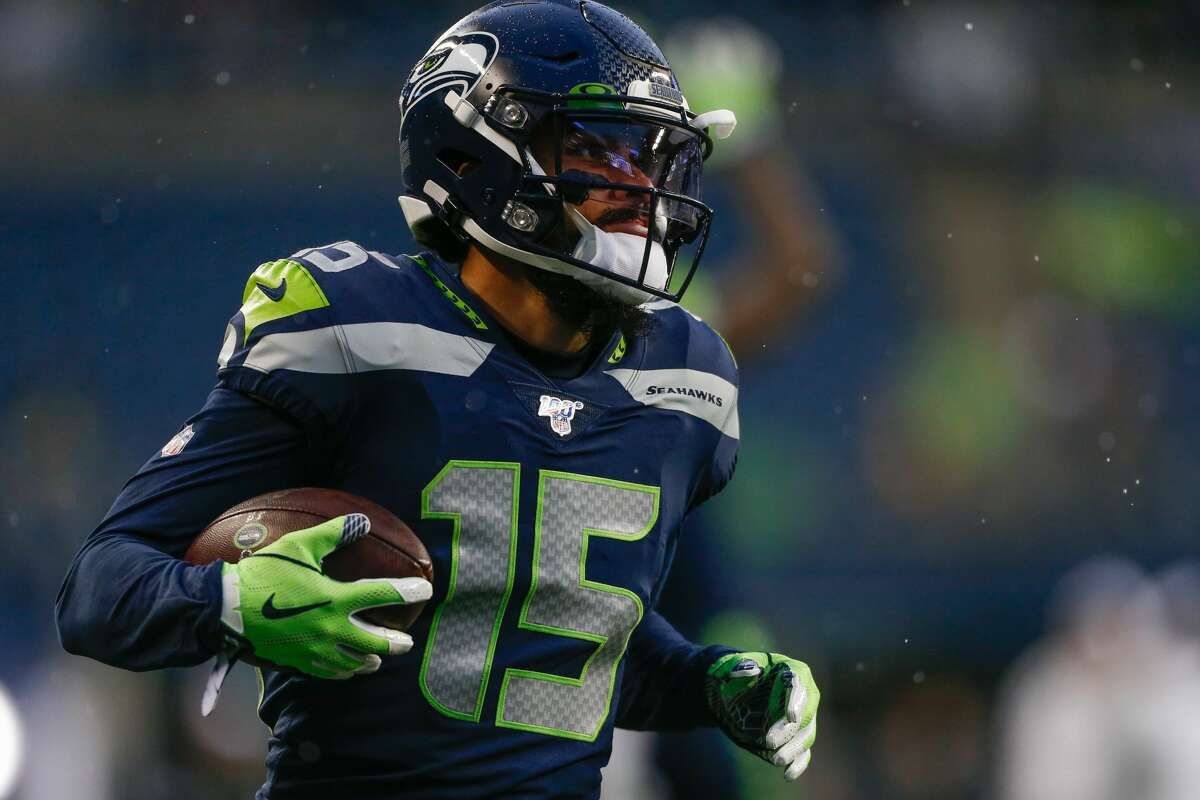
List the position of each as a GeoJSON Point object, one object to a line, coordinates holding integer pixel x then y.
{"type": "Point", "coordinates": [618, 352]}
{"type": "Point", "coordinates": [451, 295]}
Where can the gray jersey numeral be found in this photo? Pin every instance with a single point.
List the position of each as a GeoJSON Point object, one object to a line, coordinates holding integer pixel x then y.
{"type": "Point", "coordinates": [480, 498]}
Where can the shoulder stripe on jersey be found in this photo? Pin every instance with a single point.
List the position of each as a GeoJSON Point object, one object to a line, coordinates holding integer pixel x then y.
{"type": "Point", "coordinates": [368, 347]}
{"type": "Point", "coordinates": [701, 394]}
{"type": "Point", "coordinates": [228, 346]}
{"type": "Point", "coordinates": [407, 345]}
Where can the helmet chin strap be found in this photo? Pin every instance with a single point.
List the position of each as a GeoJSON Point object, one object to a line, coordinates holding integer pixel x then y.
{"type": "Point", "coordinates": [620, 254]}
{"type": "Point", "coordinates": [613, 254]}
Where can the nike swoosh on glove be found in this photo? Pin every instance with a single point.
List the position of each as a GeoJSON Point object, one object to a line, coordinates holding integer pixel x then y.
{"type": "Point", "coordinates": [282, 607]}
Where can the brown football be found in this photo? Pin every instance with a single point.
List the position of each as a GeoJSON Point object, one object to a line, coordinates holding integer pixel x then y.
{"type": "Point", "coordinates": [390, 550]}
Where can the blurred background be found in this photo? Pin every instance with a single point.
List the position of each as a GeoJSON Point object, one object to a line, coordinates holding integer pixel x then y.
{"type": "Point", "coordinates": [956, 251]}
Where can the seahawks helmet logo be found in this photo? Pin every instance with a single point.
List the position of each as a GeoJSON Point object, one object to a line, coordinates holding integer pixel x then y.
{"type": "Point", "coordinates": [456, 62]}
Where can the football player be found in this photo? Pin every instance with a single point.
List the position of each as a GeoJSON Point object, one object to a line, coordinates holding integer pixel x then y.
{"type": "Point", "coordinates": [526, 393]}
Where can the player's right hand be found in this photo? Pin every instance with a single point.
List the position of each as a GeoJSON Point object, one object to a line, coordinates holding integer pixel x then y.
{"type": "Point", "coordinates": [285, 610]}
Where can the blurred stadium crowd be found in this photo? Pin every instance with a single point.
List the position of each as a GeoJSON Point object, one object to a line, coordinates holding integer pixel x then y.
{"type": "Point", "coordinates": [957, 252]}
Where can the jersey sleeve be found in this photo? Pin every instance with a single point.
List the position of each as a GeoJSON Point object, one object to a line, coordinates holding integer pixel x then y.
{"type": "Point", "coordinates": [664, 679]}
{"type": "Point", "coordinates": [128, 600]}
{"type": "Point", "coordinates": [663, 685]}
{"type": "Point", "coordinates": [285, 395]}
{"type": "Point", "coordinates": [710, 352]}
{"type": "Point", "coordinates": [289, 344]}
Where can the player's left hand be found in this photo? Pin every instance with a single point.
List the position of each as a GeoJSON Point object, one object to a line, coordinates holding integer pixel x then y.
{"type": "Point", "coordinates": [767, 704]}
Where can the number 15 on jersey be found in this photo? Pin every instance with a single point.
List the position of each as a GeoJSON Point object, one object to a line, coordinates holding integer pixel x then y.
{"type": "Point", "coordinates": [480, 498]}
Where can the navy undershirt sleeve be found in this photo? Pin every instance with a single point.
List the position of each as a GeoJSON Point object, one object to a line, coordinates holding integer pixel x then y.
{"type": "Point", "coordinates": [128, 600]}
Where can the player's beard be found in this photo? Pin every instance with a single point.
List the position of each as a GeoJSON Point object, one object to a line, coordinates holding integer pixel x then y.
{"type": "Point", "coordinates": [583, 307]}
{"type": "Point", "coordinates": [588, 310]}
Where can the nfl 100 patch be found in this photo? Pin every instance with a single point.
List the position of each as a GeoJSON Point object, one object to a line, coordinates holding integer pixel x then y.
{"type": "Point", "coordinates": [567, 416]}
{"type": "Point", "coordinates": [560, 411]}
{"type": "Point", "coordinates": [178, 442]}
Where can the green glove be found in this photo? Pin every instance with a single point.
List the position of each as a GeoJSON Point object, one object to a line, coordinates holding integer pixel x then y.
{"type": "Point", "coordinates": [284, 609]}
{"type": "Point", "coordinates": [767, 704]}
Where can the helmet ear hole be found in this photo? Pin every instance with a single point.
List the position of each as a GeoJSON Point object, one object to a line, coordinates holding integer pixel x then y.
{"type": "Point", "coordinates": [457, 161]}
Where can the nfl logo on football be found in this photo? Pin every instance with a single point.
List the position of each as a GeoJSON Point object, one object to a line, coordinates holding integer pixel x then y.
{"type": "Point", "coordinates": [560, 412]}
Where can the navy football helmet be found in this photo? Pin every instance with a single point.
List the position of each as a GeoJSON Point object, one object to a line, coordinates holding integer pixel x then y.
{"type": "Point", "coordinates": [555, 134]}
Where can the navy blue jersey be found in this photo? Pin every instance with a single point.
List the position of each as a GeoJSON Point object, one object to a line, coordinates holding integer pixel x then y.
{"type": "Point", "coordinates": [550, 508]}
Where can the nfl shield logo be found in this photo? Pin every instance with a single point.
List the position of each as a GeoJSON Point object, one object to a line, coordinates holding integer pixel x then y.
{"type": "Point", "coordinates": [178, 442]}
{"type": "Point", "coordinates": [560, 412]}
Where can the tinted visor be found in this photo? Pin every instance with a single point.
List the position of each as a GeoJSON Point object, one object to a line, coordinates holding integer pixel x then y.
{"type": "Point", "coordinates": [620, 163]}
